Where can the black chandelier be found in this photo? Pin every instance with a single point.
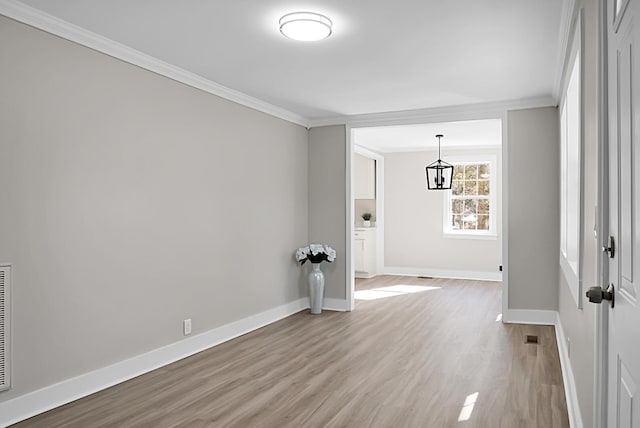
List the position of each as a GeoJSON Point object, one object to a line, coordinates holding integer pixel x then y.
{"type": "Point", "coordinates": [439, 173]}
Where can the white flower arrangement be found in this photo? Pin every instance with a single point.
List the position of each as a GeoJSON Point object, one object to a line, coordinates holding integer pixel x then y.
{"type": "Point", "coordinates": [315, 253]}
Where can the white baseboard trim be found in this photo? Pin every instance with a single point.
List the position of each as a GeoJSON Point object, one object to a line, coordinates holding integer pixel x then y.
{"type": "Point", "coordinates": [527, 316]}
{"type": "Point", "coordinates": [570, 392]}
{"type": "Point", "coordinates": [52, 396]}
{"type": "Point", "coordinates": [47, 398]}
{"type": "Point", "coordinates": [443, 273]}
{"type": "Point", "coordinates": [335, 305]}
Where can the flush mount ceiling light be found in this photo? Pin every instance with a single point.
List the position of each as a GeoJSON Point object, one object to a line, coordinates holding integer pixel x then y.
{"type": "Point", "coordinates": [305, 26]}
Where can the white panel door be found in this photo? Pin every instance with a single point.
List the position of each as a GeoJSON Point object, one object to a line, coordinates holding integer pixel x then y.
{"type": "Point", "coordinates": [624, 213]}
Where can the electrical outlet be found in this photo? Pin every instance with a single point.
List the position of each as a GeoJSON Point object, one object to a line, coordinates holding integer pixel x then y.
{"type": "Point", "coordinates": [186, 327]}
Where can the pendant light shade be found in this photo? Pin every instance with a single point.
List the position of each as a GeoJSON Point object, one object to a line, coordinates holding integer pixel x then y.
{"type": "Point", "coordinates": [439, 173]}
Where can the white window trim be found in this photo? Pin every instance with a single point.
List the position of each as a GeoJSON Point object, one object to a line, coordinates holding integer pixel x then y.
{"type": "Point", "coordinates": [492, 233]}
{"type": "Point", "coordinates": [571, 243]}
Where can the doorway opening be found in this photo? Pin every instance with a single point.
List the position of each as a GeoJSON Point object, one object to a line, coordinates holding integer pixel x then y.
{"type": "Point", "coordinates": [417, 232]}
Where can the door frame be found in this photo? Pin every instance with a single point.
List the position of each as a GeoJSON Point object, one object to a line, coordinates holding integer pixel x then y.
{"type": "Point", "coordinates": [451, 114]}
{"type": "Point", "coordinates": [601, 342]}
{"type": "Point", "coordinates": [379, 179]}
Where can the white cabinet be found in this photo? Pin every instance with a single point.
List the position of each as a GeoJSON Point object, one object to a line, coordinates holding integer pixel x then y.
{"type": "Point", "coordinates": [365, 252]}
{"type": "Point", "coordinates": [364, 177]}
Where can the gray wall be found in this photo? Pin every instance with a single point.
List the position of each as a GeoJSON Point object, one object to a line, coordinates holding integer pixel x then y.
{"type": "Point", "coordinates": [534, 212]}
{"type": "Point", "coordinates": [327, 201]}
{"type": "Point", "coordinates": [578, 324]}
{"type": "Point", "coordinates": [130, 202]}
{"type": "Point", "coordinates": [414, 219]}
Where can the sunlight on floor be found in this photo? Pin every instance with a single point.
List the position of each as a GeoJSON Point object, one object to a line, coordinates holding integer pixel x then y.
{"type": "Point", "coordinates": [499, 318]}
{"type": "Point", "coordinates": [467, 407]}
{"type": "Point", "coordinates": [391, 291]}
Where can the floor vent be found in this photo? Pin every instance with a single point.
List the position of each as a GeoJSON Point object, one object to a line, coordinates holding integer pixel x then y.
{"type": "Point", "coordinates": [425, 277]}
{"type": "Point", "coordinates": [5, 278]}
{"type": "Point", "coordinates": [531, 339]}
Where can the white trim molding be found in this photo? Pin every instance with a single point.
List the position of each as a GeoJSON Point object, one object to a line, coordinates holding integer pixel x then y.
{"type": "Point", "coordinates": [569, 9]}
{"type": "Point", "coordinates": [49, 397]}
{"type": "Point", "coordinates": [350, 281]}
{"type": "Point", "coordinates": [38, 19]}
{"type": "Point", "coordinates": [477, 111]}
{"type": "Point", "coordinates": [528, 316]}
{"type": "Point", "coordinates": [572, 162]}
{"type": "Point", "coordinates": [56, 395]}
{"type": "Point", "coordinates": [570, 391]}
{"type": "Point", "coordinates": [340, 305]}
{"type": "Point", "coordinates": [442, 273]}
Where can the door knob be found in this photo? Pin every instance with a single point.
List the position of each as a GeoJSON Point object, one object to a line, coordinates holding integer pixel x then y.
{"type": "Point", "coordinates": [597, 295]}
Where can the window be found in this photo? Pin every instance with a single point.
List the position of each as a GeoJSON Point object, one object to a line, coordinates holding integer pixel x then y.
{"type": "Point", "coordinates": [470, 205]}
{"type": "Point", "coordinates": [571, 169]}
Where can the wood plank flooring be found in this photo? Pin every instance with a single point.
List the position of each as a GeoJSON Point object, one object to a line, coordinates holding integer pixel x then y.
{"type": "Point", "coordinates": [431, 358]}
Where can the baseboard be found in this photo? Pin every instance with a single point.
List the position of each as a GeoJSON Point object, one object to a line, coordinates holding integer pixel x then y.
{"type": "Point", "coordinates": [362, 275]}
{"type": "Point", "coordinates": [527, 316]}
{"type": "Point", "coordinates": [334, 305]}
{"type": "Point", "coordinates": [52, 396]}
{"type": "Point", "coordinates": [443, 273]}
{"type": "Point", "coordinates": [570, 392]}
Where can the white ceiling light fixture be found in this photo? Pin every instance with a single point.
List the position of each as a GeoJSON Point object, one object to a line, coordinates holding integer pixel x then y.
{"type": "Point", "coordinates": [305, 26]}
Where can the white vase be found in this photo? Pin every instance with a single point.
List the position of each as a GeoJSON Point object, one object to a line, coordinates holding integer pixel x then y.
{"type": "Point", "coordinates": [367, 223]}
{"type": "Point", "coordinates": [316, 288]}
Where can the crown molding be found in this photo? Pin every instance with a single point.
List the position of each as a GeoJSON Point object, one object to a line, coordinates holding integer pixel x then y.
{"type": "Point", "coordinates": [437, 114]}
{"type": "Point", "coordinates": [43, 21]}
{"type": "Point", "coordinates": [36, 18]}
{"type": "Point", "coordinates": [566, 22]}
{"type": "Point", "coordinates": [451, 149]}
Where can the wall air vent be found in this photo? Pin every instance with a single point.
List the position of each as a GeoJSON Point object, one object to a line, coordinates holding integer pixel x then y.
{"type": "Point", "coordinates": [5, 281]}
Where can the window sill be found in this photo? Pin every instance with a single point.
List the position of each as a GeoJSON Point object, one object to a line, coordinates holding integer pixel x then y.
{"type": "Point", "coordinates": [466, 235]}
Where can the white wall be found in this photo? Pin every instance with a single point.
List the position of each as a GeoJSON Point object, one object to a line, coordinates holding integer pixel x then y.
{"type": "Point", "coordinates": [130, 202]}
{"type": "Point", "coordinates": [414, 241]}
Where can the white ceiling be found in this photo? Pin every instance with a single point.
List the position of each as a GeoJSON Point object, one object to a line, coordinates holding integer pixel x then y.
{"type": "Point", "coordinates": [382, 56]}
{"type": "Point", "coordinates": [463, 134]}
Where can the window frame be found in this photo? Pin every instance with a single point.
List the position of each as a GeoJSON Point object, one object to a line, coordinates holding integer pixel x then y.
{"type": "Point", "coordinates": [571, 165]}
{"type": "Point", "coordinates": [492, 233]}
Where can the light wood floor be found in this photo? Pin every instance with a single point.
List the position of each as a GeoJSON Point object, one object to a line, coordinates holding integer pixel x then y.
{"type": "Point", "coordinates": [423, 359]}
